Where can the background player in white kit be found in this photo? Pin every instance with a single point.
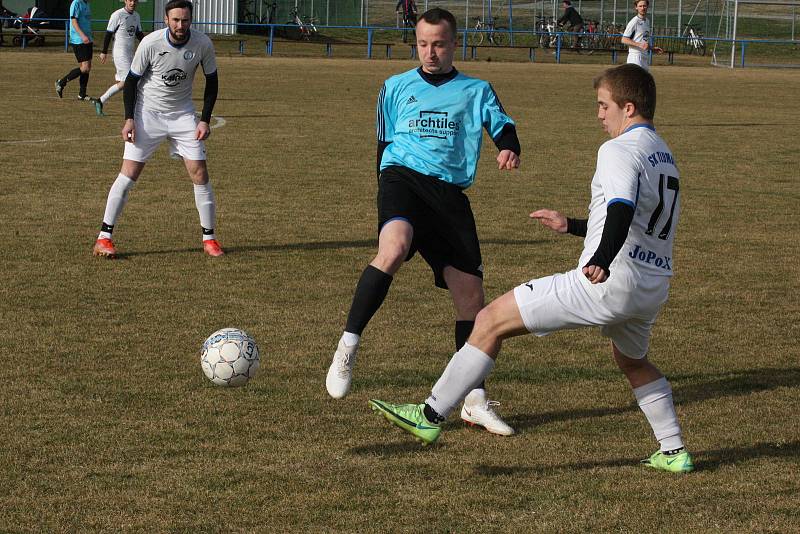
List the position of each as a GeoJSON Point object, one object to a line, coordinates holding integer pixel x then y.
{"type": "Point", "coordinates": [124, 26]}
{"type": "Point", "coordinates": [158, 106]}
{"type": "Point", "coordinates": [619, 285]}
{"type": "Point", "coordinates": [637, 36]}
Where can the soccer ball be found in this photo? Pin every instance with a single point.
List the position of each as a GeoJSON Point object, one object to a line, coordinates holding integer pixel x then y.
{"type": "Point", "coordinates": [230, 357]}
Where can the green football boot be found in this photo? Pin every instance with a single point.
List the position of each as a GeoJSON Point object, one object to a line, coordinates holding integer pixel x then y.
{"type": "Point", "coordinates": [674, 463]}
{"type": "Point", "coordinates": [409, 417]}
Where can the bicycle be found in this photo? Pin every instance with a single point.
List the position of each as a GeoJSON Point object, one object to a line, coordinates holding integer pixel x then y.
{"type": "Point", "coordinates": [251, 17]}
{"type": "Point", "coordinates": [409, 22]}
{"type": "Point", "coordinates": [305, 25]}
{"type": "Point", "coordinates": [695, 44]}
{"type": "Point", "coordinates": [497, 36]}
{"type": "Point", "coordinates": [546, 29]}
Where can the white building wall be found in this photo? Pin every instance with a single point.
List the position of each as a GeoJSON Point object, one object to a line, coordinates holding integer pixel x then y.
{"type": "Point", "coordinates": [220, 13]}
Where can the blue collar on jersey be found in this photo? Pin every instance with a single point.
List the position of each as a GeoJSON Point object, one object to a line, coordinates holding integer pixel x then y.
{"type": "Point", "coordinates": [437, 79]}
{"type": "Point", "coordinates": [177, 45]}
{"type": "Point", "coordinates": [640, 125]}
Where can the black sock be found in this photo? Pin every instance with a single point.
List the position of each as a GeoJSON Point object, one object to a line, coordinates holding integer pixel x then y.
{"type": "Point", "coordinates": [84, 81]}
{"type": "Point", "coordinates": [432, 416]}
{"type": "Point", "coordinates": [71, 75]}
{"type": "Point", "coordinates": [371, 289]}
{"type": "Point", "coordinates": [673, 451]}
{"type": "Point", "coordinates": [463, 330]}
{"type": "Point", "coordinates": [107, 228]}
{"type": "Point", "coordinates": [207, 231]}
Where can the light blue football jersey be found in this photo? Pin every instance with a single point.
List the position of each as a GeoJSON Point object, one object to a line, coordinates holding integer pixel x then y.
{"type": "Point", "coordinates": [81, 11]}
{"type": "Point", "coordinates": [437, 130]}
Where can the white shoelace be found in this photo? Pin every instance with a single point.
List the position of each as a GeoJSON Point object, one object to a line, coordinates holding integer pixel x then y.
{"type": "Point", "coordinates": [490, 410]}
{"type": "Point", "coordinates": [343, 364]}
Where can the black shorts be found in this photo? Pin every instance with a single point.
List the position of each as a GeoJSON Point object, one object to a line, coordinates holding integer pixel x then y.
{"type": "Point", "coordinates": [83, 52]}
{"type": "Point", "coordinates": [439, 212]}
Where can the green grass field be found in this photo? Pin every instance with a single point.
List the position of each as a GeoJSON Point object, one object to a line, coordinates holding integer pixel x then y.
{"type": "Point", "coordinates": [108, 423]}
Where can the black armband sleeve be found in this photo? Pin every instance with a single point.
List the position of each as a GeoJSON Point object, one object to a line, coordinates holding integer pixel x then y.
{"type": "Point", "coordinates": [129, 94]}
{"type": "Point", "coordinates": [618, 220]}
{"type": "Point", "coordinates": [140, 35]}
{"type": "Point", "coordinates": [209, 96]}
{"type": "Point", "coordinates": [507, 140]}
{"type": "Point", "coordinates": [107, 41]}
{"type": "Point", "coordinates": [577, 227]}
{"type": "Point", "coordinates": [381, 147]}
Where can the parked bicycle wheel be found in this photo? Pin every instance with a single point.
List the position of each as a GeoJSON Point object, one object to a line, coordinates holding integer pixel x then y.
{"type": "Point", "coordinates": [499, 36]}
{"type": "Point", "coordinates": [475, 38]}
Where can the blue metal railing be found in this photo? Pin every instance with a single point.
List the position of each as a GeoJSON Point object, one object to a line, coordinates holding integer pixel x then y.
{"type": "Point", "coordinates": [468, 51]}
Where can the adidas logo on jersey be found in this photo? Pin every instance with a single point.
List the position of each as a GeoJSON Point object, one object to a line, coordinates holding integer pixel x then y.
{"type": "Point", "coordinates": [411, 100]}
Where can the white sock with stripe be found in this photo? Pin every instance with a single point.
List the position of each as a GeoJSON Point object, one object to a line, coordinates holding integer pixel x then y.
{"type": "Point", "coordinates": [117, 198]}
{"type": "Point", "coordinates": [206, 208]}
{"type": "Point", "coordinates": [655, 400]}
{"type": "Point", "coordinates": [467, 368]}
{"type": "Point", "coordinates": [114, 89]}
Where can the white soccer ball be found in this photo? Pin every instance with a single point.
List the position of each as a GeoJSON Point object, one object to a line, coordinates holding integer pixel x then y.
{"type": "Point", "coordinates": [230, 357]}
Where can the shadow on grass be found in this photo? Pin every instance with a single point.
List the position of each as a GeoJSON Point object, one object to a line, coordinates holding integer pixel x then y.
{"type": "Point", "coordinates": [703, 460]}
{"type": "Point", "coordinates": [403, 448]}
{"type": "Point", "coordinates": [313, 245]}
{"type": "Point", "coordinates": [698, 389]}
{"type": "Point", "coordinates": [727, 124]}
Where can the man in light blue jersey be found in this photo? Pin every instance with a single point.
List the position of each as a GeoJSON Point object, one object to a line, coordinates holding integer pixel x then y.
{"type": "Point", "coordinates": [619, 284]}
{"type": "Point", "coordinates": [80, 37]}
{"type": "Point", "coordinates": [430, 123]}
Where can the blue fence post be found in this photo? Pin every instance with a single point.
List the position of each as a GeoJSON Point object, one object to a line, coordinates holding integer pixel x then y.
{"type": "Point", "coordinates": [511, 21]}
{"type": "Point", "coordinates": [558, 48]}
{"type": "Point", "coordinates": [369, 43]}
{"type": "Point", "coordinates": [271, 39]}
{"type": "Point", "coordinates": [744, 45]}
{"type": "Point", "coordinates": [66, 36]}
{"type": "Point", "coordinates": [464, 46]}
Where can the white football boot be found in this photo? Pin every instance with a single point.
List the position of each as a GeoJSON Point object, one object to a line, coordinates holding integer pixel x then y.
{"type": "Point", "coordinates": [477, 410]}
{"type": "Point", "coordinates": [340, 373]}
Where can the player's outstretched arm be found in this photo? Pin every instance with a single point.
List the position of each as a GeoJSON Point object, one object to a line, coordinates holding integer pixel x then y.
{"type": "Point", "coordinates": [129, 131]}
{"type": "Point", "coordinates": [129, 99]}
{"type": "Point", "coordinates": [203, 131]}
{"type": "Point", "coordinates": [209, 99]}
{"type": "Point", "coordinates": [551, 219]}
{"type": "Point", "coordinates": [507, 160]}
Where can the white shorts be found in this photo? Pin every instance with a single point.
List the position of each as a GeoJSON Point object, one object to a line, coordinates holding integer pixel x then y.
{"type": "Point", "coordinates": [637, 58]}
{"type": "Point", "coordinates": [123, 65]}
{"type": "Point", "coordinates": [152, 127]}
{"type": "Point", "coordinates": [625, 311]}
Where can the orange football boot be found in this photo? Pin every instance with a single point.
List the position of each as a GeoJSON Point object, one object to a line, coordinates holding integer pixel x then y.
{"type": "Point", "coordinates": [212, 248]}
{"type": "Point", "coordinates": [104, 247]}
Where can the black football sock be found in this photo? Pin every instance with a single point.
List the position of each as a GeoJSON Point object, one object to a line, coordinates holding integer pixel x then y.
{"type": "Point", "coordinates": [432, 416]}
{"type": "Point", "coordinates": [71, 75]}
{"type": "Point", "coordinates": [84, 81]}
{"type": "Point", "coordinates": [370, 292]}
{"type": "Point", "coordinates": [463, 330]}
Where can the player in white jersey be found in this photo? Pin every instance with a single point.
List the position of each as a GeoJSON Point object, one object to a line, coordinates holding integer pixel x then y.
{"type": "Point", "coordinates": [619, 285]}
{"type": "Point", "coordinates": [637, 36]}
{"type": "Point", "coordinates": [158, 106]}
{"type": "Point", "coordinates": [125, 27]}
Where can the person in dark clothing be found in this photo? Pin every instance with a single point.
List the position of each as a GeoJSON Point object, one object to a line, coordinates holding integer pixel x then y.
{"type": "Point", "coordinates": [408, 8]}
{"type": "Point", "coordinates": [571, 20]}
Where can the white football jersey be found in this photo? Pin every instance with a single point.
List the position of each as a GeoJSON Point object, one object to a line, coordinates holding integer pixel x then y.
{"type": "Point", "coordinates": [637, 30]}
{"type": "Point", "coordinates": [636, 168]}
{"type": "Point", "coordinates": [124, 26]}
{"type": "Point", "coordinates": [167, 70]}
